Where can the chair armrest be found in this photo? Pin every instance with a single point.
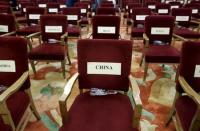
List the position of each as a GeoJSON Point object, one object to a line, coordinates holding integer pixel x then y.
{"type": "Point", "coordinates": [33, 35]}
{"type": "Point", "coordinates": [10, 33]}
{"type": "Point", "coordinates": [14, 87]}
{"type": "Point", "coordinates": [137, 100]}
{"type": "Point", "coordinates": [196, 22]}
{"type": "Point", "coordinates": [62, 100]}
{"type": "Point", "coordinates": [180, 37]}
{"type": "Point", "coordinates": [64, 37]}
{"type": "Point", "coordinates": [188, 89]}
{"type": "Point", "coordinates": [146, 39]}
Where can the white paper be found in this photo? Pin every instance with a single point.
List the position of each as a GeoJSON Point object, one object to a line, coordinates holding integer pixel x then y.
{"type": "Point", "coordinates": [197, 71]}
{"type": "Point", "coordinates": [131, 11]}
{"type": "Point", "coordinates": [63, 6]}
{"type": "Point", "coordinates": [162, 11]}
{"type": "Point", "coordinates": [72, 17]}
{"type": "Point", "coordinates": [174, 6]}
{"type": "Point", "coordinates": [126, 6]}
{"type": "Point", "coordinates": [104, 68]}
{"type": "Point", "coordinates": [24, 9]}
{"type": "Point", "coordinates": [83, 10]}
{"type": "Point", "coordinates": [182, 18]}
{"type": "Point", "coordinates": [3, 28]}
{"type": "Point", "coordinates": [141, 17]}
{"type": "Point", "coordinates": [7, 66]}
{"type": "Point", "coordinates": [53, 29]}
{"type": "Point", "coordinates": [194, 11]}
{"type": "Point", "coordinates": [53, 10]}
{"type": "Point", "coordinates": [160, 30]}
{"type": "Point", "coordinates": [106, 30]}
{"type": "Point", "coordinates": [42, 5]}
{"type": "Point", "coordinates": [34, 16]}
{"type": "Point", "coordinates": [151, 6]}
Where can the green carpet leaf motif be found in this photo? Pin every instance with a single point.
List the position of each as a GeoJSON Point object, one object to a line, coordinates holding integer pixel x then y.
{"type": "Point", "coordinates": [48, 122]}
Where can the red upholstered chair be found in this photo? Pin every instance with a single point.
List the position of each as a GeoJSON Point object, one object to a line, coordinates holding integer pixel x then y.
{"type": "Point", "coordinates": [105, 27]}
{"type": "Point", "coordinates": [106, 11]}
{"type": "Point", "coordinates": [54, 46]}
{"type": "Point", "coordinates": [138, 18]}
{"type": "Point", "coordinates": [185, 111]}
{"type": "Point", "coordinates": [15, 96]}
{"type": "Point", "coordinates": [7, 24]}
{"type": "Point", "coordinates": [183, 19]}
{"type": "Point", "coordinates": [73, 19]}
{"type": "Point", "coordinates": [112, 112]}
{"type": "Point", "coordinates": [53, 8]}
{"type": "Point", "coordinates": [42, 3]}
{"type": "Point", "coordinates": [62, 3]}
{"type": "Point", "coordinates": [5, 9]}
{"type": "Point", "coordinates": [163, 9]}
{"type": "Point", "coordinates": [175, 5]}
{"type": "Point", "coordinates": [151, 5]}
{"type": "Point", "coordinates": [107, 5]}
{"type": "Point", "coordinates": [157, 37]}
{"type": "Point", "coordinates": [195, 9]}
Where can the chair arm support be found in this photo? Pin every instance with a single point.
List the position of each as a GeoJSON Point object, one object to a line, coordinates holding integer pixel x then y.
{"type": "Point", "coordinates": [63, 37]}
{"type": "Point", "coordinates": [14, 87]}
{"type": "Point", "coordinates": [188, 89]}
{"type": "Point", "coordinates": [62, 100]}
{"type": "Point", "coordinates": [33, 35]}
{"type": "Point", "coordinates": [146, 39]}
{"type": "Point", "coordinates": [9, 33]}
{"type": "Point", "coordinates": [180, 37]}
{"type": "Point", "coordinates": [137, 100]}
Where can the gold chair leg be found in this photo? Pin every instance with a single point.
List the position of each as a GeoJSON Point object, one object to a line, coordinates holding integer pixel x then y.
{"type": "Point", "coordinates": [142, 60]}
{"type": "Point", "coordinates": [145, 71]}
{"type": "Point", "coordinates": [68, 58]}
{"type": "Point", "coordinates": [33, 66]}
{"type": "Point", "coordinates": [63, 68]}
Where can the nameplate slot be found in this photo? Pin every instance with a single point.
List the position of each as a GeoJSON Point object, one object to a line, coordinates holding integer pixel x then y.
{"type": "Point", "coordinates": [103, 68]}
{"type": "Point", "coordinates": [167, 2]}
{"type": "Point", "coordinates": [174, 6]}
{"type": "Point", "coordinates": [141, 17]}
{"type": "Point", "coordinates": [34, 16]}
{"type": "Point", "coordinates": [197, 71]}
{"type": "Point", "coordinates": [162, 11]}
{"type": "Point", "coordinates": [131, 11]}
{"type": "Point", "coordinates": [182, 18]}
{"type": "Point", "coordinates": [151, 6]}
{"type": "Point", "coordinates": [160, 30]}
{"type": "Point", "coordinates": [194, 11]}
{"type": "Point", "coordinates": [53, 29]}
{"type": "Point", "coordinates": [83, 10]}
{"type": "Point", "coordinates": [63, 6]}
{"type": "Point", "coordinates": [7, 66]}
{"type": "Point", "coordinates": [72, 17]}
{"type": "Point", "coordinates": [24, 9]}
{"type": "Point", "coordinates": [42, 5]}
{"type": "Point", "coordinates": [106, 30]}
{"type": "Point", "coordinates": [88, 6]}
{"type": "Point", "coordinates": [3, 28]}
{"type": "Point", "coordinates": [127, 7]}
{"type": "Point", "coordinates": [53, 10]}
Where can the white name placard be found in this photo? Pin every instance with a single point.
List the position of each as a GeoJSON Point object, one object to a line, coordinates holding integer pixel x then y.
{"type": "Point", "coordinates": [167, 2]}
{"type": "Point", "coordinates": [93, 13]}
{"type": "Point", "coordinates": [174, 6]}
{"type": "Point", "coordinates": [20, 5]}
{"type": "Point", "coordinates": [197, 71]}
{"type": "Point", "coordinates": [126, 6]}
{"type": "Point", "coordinates": [3, 28]}
{"type": "Point", "coordinates": [140, 17]}
{"type": "Point", "coordinates": [104, 68]}
{"type": "Point", "coordinates": [88, 6]}
{"type": "Point", "coordinates": [182, 18]}
{"type": "Point", "coordinates": [24, 9]}
{"type": "Point", "coordinates": [63, 6]}
{"type": "Point", "coordinates": [162, 11]}
{"type": "Point", "coordinates": [53, 10]}
{"type": "Point", "coordinates": [83, 10]}
{"type": "Point", "coordinates": [7, 66]}
{"type": "Point", "coordinates": [160, 30]}
{"type": "Point", "coordinates": [131, 11]}
{"type": "Point", "coordinates": [194, 11]}
{"type": "Point", "coordinates": [72, 17]}
{"type": "Point", "coordinates": [34, 16]}
{"type": "Point", "coordinates": [42, 5]}
{"type": "Point", "coordinates": [106, 30]}
{"type": "Point", "coordinates": [151, 6]}
{"type": "Point", "coordinates": [53, 29]}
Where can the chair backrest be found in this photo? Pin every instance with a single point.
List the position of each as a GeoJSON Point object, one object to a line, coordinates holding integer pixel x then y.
{"type": "Point", "coordinates": [107, 5]}
{"type": "Point", "coordinates": [26, 4]}
{"type": "Point", "coordinates": [151, 5]}
{"type": "Point", "coordinates": [42, 3]}
{"type": "Point", "coordinates": [106, 11]}
{"type": "Point", "coordinates": [13, 60]}
{"type": "Point", "coordinates": [73, 14]}
{"type": "Point", "coordinates": [139, 15]}
{"type": "Point", "coordinates": [52, 26]}
{"type": "Point", "coordinates": [84, 8]}
{"type": "Point", "coordinates": [105, 27]}
{"type": "Point", "coordinates": [134, 5]}
{"type": "Point", "coordinates": [7, 23]}
{"type": "Point", "coordinates": [53, 8]}
{"type": "Point", "coordinates": [163, 8]}
{"type": "Point", "coordinates": [104, 64]}
{"type": "Point", "coordinates": [5, 9]}
{"type": "Point", "coordinates": [195, 9]}
{"type": "Point", "coordinates": [190, 64]}
{"type": "Point", "coordinates": [4, 3]}
{"type": "Point", "coordinates": [175, 4]}
{"type": "Point", "coordinates": [159, 28]}
{"type": "Point", "coordinates": [182, 16]}
{"type": "Point", "coordinates": [33, 14]}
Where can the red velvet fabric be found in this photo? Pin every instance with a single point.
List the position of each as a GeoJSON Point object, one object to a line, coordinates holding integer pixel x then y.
{"type": "Point", "coordinates": [137, 32]}
{"type": "Point", "coordinates": [5, 9]}
{"type": "Point", "coordinates": [109, 21]}
{"type": "Point", "coordinates": [111, 51]}
{"type": "Point", "coordinates": [72, 11]}
{"type": "Point", "coordinates": [100, 113]}
{"type": "Point", "coordinates": [194, 6]}
{"type": "Point", "coordinates": [33, 10]}
{"type": "Point", "coordinates": [25, 5]}
{"type": "Point", "coordinates": [48, 51]}
{"type": "Point", "coordinates": [185, 109]}
{"type": "Point", "coordinates": [82, 5]}
{"type": "Point", "coordinates": [73, 31]}
{"type": "Point", "coordinates": [84, 21]}
{"type": "Point", "coordinates": [106, 11]}
{"type": "Point", "coordinates": [186, 33]}
{"type": "Point", "coordinates": [163, 6]}
{"type": "Point", "coordinates": [53, 5]}
{"type": "Point", "coordinates": [8, 20]}
{"type": "Point", "coordinates": [4, 127]}
{"type": "Point", "coordinates": [107, 5]}
{"type": "Point", "coordinates": [162, 54]}
{"type": "Point", "coordinates": [28, 30]}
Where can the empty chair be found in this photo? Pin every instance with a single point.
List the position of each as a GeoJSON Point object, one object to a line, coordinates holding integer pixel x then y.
{"type": "Point", "coordinates": [110, 72]}
{"type": "Point", "coordinates": [163, 9]}
{"type": "Point", "coordinates": [5, 9]}
{"type": "Point", "coordinates": [7, 24]}
{"type": "Point", "coordinates": [53, 8]}
{"type": "Point", "coordinates": [195, 9]}
{"type": "Point", "coordinates": [16, 99]}
{"type": "Point", "coordinates": [106, 11]}
{"type": "Point", "coordinates": [175, 5]}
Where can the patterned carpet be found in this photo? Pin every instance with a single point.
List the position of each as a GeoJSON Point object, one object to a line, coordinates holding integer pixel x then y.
{"type": "Point", "coordinates": [156, 93]}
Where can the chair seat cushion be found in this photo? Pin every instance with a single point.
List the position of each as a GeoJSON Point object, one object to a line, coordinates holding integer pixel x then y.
{"type": "Point", "coordinates": [162, 54]}
{"type": "Point", "coordinates": [28, 30]}
{"type": "Point", "coordinates": [17, 105]}
{"type": "Point", "coordinates": [100, 113]}
{"type": "Point", "coordinates": [184, 32]}
{"type": "Point", "coordinates": [22, 20]}
{"type": "Point", "coordinates": [84, 20]}
{"type": "Point", "coordinates": [73, 31]}
{"type": "Point", "coordinates": [137, 32]}
{"type": "Point", "coordinates": [185, 108]}
{"type": "Point", "coordinates": [48, 51]}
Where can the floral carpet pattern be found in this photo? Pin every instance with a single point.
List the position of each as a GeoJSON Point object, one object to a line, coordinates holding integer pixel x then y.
{"type": "Point", "coordinates": [157, 91]}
